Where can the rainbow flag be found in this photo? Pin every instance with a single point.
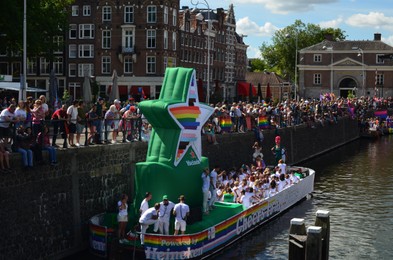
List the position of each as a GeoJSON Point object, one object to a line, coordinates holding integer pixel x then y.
{"type": "Point", "coordinates": [263, 123]}
{"type": "Point", "coordinates": [383, 114]}
{"type": "Point", "coordinates": [226, 124]}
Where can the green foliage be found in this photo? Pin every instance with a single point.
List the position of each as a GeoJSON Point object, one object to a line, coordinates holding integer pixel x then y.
{"type": "Point", "coordinates": [257, 65]}
{"type": "Point", "coordinates": [66, 96]}
{"type": "Point", "coordinates": [350, 94]}
{"type": "Point", "coordinates": [44, 20]}
{"type": "Point", "coordinates": [281, 54]}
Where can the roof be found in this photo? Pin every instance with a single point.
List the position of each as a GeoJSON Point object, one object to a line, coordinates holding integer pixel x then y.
{"type": "Point", "coordinates": [263, 78]}
{"type": "Point", "coordinates": [349, 45]}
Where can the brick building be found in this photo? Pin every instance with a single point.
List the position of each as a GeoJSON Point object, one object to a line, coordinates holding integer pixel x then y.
{"type": "Point", "coordinates": [139, 40]}
{"type": "Point", "coordinates": [361, 67]}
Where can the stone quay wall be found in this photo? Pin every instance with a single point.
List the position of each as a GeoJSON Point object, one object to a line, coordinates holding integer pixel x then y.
{"type": "Point", "coordinates": [45, 211]}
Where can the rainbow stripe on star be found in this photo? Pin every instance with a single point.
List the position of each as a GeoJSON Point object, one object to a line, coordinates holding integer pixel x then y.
{"type": "Point", "coordinates": [187, 115]}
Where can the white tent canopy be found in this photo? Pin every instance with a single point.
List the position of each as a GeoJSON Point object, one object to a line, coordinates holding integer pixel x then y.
{"type": "Point", "coordinates": [15, 86]}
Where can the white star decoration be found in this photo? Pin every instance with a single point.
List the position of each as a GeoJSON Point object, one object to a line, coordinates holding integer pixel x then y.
{"type": "Point", "coordinates": [190, 117]}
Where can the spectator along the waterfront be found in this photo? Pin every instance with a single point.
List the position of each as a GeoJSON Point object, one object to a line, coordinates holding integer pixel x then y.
{"type": "Point", "coordinates": [7, 118]}
{"type": "Point", "coordinates": [38, 113]}
{"type": "Point", "coordinates": [72, 118]}
{"type": "Point", "coordinates": [44, 144]}
{"type": "Point", "coordinates": [59, 119]}
{"type": "Point", "coordinates": [4, 157]}
{"type": "Point", "coordinates": [81, 122]}
{"type": "Point", "coordinates": [22, 145]}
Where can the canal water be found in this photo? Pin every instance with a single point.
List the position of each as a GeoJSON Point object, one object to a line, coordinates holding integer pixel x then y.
{"type": "Point", "coordinates": [355, 184]}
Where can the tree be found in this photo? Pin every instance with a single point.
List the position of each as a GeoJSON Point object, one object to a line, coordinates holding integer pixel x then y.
{"type": "Point", "coordinates": [281, 54]}
{"type": "Point", "coordinates": [257, 65]}
{"type": "Point", "coordinates": [45, 19]}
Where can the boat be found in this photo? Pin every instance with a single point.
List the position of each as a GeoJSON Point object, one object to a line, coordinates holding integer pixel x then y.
{"type": "Point", "coordinates": [173, 166]}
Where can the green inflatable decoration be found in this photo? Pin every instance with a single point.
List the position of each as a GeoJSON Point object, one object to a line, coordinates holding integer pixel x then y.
{"type": "Point", "coordinates": [174, 161]}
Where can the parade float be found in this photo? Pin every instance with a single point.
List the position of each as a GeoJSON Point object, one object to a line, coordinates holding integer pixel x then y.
{"type": "Point", "coordinates": [173, 167]}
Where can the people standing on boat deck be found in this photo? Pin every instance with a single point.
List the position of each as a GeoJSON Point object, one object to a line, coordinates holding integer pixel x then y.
{"type": "Point", "coordinates": [145, 203]}
{"type": "Point", "coordinates": [213, 186]}
{"type": "Point", "coordinates": [205, 190]}
{"type": "Point", "coordinates": [148, 218]}
{"type": "Point", "coordinates": [282, 165]}
{"type": "Point", "coordinates": [122, 217]}
{"type": "Point", "coordinates": [164, 216]}
{"type": "Point", "coordinates": [277, 149]}
{"type": "Point", "coordinates": [181, 212]}
{"type": "Point", "coordinates": [257, 151]}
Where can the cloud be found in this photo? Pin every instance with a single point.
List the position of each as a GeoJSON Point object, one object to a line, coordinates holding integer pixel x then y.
{"type": "Point", "coordinates": [287, 6]}
{"type": "Point", "coordinates": [247, 27]}
{"type": "Point", "coordinates": [372, 19]}
{"type": "Point", "coordinates": [388, 40]}
{"type": "Point", "coordinates": [253, 52]}
{"type": "Point", "coordinates": [332, 23]}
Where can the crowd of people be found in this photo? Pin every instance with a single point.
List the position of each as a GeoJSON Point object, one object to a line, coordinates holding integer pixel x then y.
{"type": "Point", "coordinates": [21, 122]}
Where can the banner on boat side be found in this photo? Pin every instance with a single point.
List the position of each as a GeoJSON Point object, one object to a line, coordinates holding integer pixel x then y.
{"type": "Point", "coordinates": [195, 245]}
{"type": "Point", "coordinates": [98, 240]}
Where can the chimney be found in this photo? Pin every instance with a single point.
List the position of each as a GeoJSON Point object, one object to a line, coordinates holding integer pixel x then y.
{"type": "Point", "coordinates": [329, 37]}
{"type": "Point", "coordinates": [377, 37]}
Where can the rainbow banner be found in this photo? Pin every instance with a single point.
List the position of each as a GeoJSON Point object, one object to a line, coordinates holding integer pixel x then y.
{"type": "Point", "coordinates": [383, 114]}
{"type": "Point", "coordinates": [98, 240]}
{"type": "Point", "coordinates": [226, 124]}
{"type": "Point", "coordinates": [263, 123]}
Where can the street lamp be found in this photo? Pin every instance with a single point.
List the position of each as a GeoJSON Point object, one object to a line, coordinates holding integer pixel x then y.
{"type": "Point", "coordinates": [296, 40]}
{"type": "Point", "coordinates": [361, 53]}
{"type": "Point", "coordinates": [22, 92]}
{"type": "Point", "coordinates": [331, 66]}
{"type": "Point", "coordinates": [196, 3]}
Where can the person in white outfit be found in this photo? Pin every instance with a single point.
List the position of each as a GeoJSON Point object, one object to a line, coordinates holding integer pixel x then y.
{"type": "Point", "coordinates": [166, 207]}
{"type": "Point", "coordinates": [205, 190]}
{"type": "Point", "coordinates": [149, 217]}
{"type": "Point", "coordinates": [181, 212]}
{"type": "Point", "coordinates": [145, 203]}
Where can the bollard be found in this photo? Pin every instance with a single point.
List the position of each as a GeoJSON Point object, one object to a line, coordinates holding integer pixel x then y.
{"type": "Point", "coordinates": [297, 239]}
{"type": "Point", "coordinates": [297, 227]}
{"type": "Point", "coordinates": [323, 220]}
{"type": "Point", "coordinates": [314, 243]}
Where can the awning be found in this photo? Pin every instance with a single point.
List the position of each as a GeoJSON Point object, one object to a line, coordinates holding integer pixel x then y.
{"type": "Point", "coordinates": [16, 87]}
{"type": "Point", "coordinates": [243, 89]}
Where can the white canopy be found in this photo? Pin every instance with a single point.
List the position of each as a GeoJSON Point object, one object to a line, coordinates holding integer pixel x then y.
{"type": "Point", "coordinates": [15, 86]}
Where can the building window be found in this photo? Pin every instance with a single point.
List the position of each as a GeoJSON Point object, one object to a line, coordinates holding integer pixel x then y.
{"type": "Point", "coordinates": [317, 79]}
{"type": "Point", "coordinates": [151, 39]}
{"type": "Point", "coordinates": [166, 15]}
{"type": "Point", "coordinates": [31, 66]}
{"type": "Point", "coordinates": [150, 65]}
{"type": "Point", "coordinates": [174, 17]}
{"type": "Point", "coordinates": [128, 64]}
{"type": "Point", "coordinates": [174, 38]}
{"type": "Point", "coordinates": [75, 10]}
{"type": "Point", "coordinates": [128, 14]}
{"type": "Point", "coordinates": [86, 31]}
{"type": "Point", "coordinates": [72, 70]}
{"type": "Point", "coordinates": [106, 14]}
{"type": "Point", "coordinates": [58, 42]}
{"type": "Point", "coordinates": [86, 69]}
{"type": "Point", "coordinates": [58, 65]}
{"type": "Point", "coordinates": [86, 51]}
{"type": "Point", "coordinates": [106, 65]}
{"type": "Point", "coordinates": [379, 79]}
{"type": "Point", "coordinates": [44, 66]}
{"type": "Point", "coordinates": [317, 57]}
{"type": "Point", "coordinates": [73, 31]}
{"type": "Point", "coordinates": [151, 14]}
{"type": "Point", "coordinates": [165, 39]}
{"type": "Point", "coordinates": [106, 39]}
{"type": "Point", "coordinates": [86, 10]}
{"type": "Point", "coordinates": [72, 51]}
{"type": "Point", "coordinates": [128, 40]}
{"type": "Point", "coordinates": [379, 59]}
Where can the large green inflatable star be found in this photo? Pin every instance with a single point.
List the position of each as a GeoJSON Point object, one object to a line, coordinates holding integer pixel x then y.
{"type": "Point", "coordinates": [174, 161]}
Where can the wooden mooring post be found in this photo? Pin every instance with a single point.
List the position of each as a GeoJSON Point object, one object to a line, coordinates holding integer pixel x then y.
{"type": "Point", "coordinates": [311, 243]}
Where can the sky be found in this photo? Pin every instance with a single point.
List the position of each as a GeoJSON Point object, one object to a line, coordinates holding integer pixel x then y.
{"type": "Point", "coordinates": [259, 19]}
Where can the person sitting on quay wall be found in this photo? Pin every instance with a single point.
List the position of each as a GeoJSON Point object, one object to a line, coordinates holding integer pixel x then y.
{"type": "Point", "coordinates": [7, 118]}
{"type": "Point", "coordinates": [44, 144]}
{"type": "Point", "coordinates": [22, 146]}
